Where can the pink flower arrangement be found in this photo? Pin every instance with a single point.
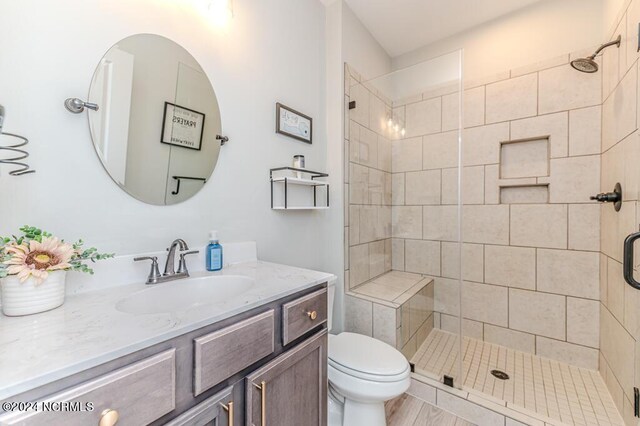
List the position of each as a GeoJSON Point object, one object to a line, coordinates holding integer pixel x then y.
{"type": "Point", "coordinates": [37, 253]}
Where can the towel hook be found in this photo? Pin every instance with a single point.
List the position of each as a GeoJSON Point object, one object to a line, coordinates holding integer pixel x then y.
{"type": "Point", "coordinates": [76, 106]}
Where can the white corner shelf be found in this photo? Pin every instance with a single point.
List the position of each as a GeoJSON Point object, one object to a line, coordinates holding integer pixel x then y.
{"type": "Point", "coordinates": [285, 177]}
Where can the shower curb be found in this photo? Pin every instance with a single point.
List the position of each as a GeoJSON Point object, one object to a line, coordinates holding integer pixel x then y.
{"type": "Point", "coordinates": [473, 407]}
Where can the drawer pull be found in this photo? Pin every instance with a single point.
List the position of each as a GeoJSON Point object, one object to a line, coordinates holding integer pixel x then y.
{"type": "Point", "coordinates": [108, 417]}
{"type": "Point", "coordinates": [263, 403]}
{"type": "Point", "coordinates": [313, 315]}
{"type": "Point", "coordinates": [229, 409]}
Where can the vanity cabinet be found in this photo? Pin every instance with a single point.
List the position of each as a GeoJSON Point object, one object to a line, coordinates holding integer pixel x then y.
{"type": "Point", "coordinates": [290, 390]}
{"type": "Point", "coordinates": [266, 366]}
{"type": "Point", "coordinates": [218, 410]}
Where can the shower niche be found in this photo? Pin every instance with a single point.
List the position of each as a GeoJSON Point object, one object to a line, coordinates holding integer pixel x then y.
{"type": "Point", "coordinates": [524, 171]}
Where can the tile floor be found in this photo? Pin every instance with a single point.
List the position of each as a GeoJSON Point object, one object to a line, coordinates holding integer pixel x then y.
{"type": "Point", "coordinates": [565, 393]}
{"type": "Point", "coordinates": [409, 411]}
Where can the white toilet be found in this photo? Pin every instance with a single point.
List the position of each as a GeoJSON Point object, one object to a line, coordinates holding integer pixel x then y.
{"type": "Point", "coordinates": [363, 373]}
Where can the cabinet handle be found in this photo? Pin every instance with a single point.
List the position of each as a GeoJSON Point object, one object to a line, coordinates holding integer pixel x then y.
{"type": "Point", "coordinates": [263, 404]}
{"type": "Point", "coordinates": [229, 409]}
{"type": "Point", "coordinates": [108, 417]}
{"type": "Point", "coordinates": [313, 315]}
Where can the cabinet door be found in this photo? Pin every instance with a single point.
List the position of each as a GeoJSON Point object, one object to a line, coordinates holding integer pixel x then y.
{"type": "Point", "coordinates": [218, 410]}
{"type": "Point", "coordinates": [291, 390]}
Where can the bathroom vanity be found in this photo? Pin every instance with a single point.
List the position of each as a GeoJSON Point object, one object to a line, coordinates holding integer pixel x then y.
{"type": "Point", "coordinates": [257, 358]}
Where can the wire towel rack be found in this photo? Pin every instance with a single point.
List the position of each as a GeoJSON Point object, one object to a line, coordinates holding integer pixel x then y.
{"type": "Point", "coordinates": [17, 154]}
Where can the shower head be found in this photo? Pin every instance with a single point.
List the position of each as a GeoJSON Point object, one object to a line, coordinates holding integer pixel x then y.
{"type": "Point", "coordinates": [589, 65]}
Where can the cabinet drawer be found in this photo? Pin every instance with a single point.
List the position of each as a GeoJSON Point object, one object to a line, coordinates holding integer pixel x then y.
{"type": "Point", "coordinates": [301, 315]}
{"type": "Point", "coordinates": [217, 410]}
{"type": "Point", "coordinates": [225, 352]}
{"type": "Point", "coordinates": [140, 393]}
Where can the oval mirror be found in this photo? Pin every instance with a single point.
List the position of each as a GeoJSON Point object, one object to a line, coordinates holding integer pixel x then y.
{"type": "Point", "coordinates": [157, 122]}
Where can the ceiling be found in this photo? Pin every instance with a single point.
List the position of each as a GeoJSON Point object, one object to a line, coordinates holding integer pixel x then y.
{"type": "Point", "coordinates": [401, 26]}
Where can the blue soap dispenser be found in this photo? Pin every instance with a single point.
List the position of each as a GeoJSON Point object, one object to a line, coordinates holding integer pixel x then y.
{"type": "Point", "coordinates": [214, 253]}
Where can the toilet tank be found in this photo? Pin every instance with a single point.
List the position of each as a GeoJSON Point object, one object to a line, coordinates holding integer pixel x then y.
{"type": "Point", "coordinates": [331, 290]}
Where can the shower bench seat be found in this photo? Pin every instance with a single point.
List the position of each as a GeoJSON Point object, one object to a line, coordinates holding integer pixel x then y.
{"type": "Point", "coordinates": [395, 307]}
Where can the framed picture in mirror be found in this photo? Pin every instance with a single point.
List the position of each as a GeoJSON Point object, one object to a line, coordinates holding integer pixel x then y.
{"type": "Point", "coordinates": [182, 126]}
{"type": "Point", "coordinates": [294, 124]}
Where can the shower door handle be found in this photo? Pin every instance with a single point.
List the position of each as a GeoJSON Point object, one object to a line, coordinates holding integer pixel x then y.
{"type": "Point", "coordinates": [628, 260]}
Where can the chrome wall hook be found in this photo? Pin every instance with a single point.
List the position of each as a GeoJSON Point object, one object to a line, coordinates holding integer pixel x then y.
{"type": "Point", "coordinates": [76, 106]}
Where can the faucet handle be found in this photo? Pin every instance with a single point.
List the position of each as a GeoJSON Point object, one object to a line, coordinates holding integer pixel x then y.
{"type": "Point", "coordinates": [182, 266]}
{"type": "Point", "coordinates": [154, 273]}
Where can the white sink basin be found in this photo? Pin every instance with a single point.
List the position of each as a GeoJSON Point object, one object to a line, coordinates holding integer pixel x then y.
{"type": "Point", "coordinates": [182, 295]}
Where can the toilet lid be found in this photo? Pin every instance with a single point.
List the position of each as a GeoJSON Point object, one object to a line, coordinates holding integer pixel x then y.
{"type": "Point", "coordinates": [366, 355]}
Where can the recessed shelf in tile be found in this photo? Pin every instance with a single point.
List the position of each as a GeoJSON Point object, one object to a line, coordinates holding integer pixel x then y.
{"type": "Point", "coordinates": [524, 194]}
{"type": "Point", "coordinates": [524, 158]}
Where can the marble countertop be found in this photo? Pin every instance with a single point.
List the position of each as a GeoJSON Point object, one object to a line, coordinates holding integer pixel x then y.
{"type": "Point", "coordinates": [88, 330]}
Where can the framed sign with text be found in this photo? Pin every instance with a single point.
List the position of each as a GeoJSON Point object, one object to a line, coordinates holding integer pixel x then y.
{"type": "Point", "coordinates": [294, 124]}
{"type": "Point", "coordinates": [182, 127]}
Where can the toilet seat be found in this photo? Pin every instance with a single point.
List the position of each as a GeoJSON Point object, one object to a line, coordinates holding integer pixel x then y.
{"type": "Point", "coordinates": [365, 358]}
{"type": "Point", "coordinates": [370, 377]}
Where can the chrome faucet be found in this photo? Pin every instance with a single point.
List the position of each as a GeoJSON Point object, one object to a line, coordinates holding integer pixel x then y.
{"type": "Point", "coordinates": [170, 273]}
{"type": "Point", "coordinates": [169, 268]}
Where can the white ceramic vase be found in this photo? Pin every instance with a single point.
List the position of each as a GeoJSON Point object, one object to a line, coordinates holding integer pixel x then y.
{"type": "Point", "coordinates": [30, 298]}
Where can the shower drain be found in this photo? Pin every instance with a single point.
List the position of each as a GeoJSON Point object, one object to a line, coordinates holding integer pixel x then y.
{"type": "Point", "coordinates": [500, 374]}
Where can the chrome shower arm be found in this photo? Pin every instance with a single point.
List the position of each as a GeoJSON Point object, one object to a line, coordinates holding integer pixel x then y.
{"type": "Point", "coordinates": [616, 42]}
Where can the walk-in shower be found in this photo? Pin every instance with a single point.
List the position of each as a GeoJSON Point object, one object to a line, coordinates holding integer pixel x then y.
{"type": "Point", "coordinates": [472, 244]}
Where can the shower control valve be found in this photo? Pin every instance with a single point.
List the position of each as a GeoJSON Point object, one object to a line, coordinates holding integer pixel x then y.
{"type": "Point", "coordinates": [614, 197]}
{"type": "Point", "coordinates": [606, 197]}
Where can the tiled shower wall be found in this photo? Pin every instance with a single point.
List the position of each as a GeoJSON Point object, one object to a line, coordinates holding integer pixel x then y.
{"type": "Point", "coordinates": [543, 276]}
{"type": "Point", "coordinates": [620, 303]}
{"type": "Point", "coordinates": [530, 232]}
{"type": "Point", "coordinates": [368, 182]}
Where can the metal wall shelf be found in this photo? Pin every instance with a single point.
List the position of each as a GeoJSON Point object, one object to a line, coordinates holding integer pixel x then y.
{"type": "Point", "coordinates": [301, 181]}
{"type": "Point", "coordinates": [301, 208]}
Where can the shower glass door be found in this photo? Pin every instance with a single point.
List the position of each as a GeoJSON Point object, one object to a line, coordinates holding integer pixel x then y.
{"type": "Point", "coordinates": [403, 160]}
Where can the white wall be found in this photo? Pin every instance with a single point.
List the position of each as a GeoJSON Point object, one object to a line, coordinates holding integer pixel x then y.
{"type": "Point", "coordinates": [271, 51]}
{"type": "Point", "coordinates": [359, 49]}
{"type": "Point", "coordinates": [421, 77]}
{"type": "Point", "coordinates": [612, 10]}
{"type": "Point", "coordinates": [538, 32]}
